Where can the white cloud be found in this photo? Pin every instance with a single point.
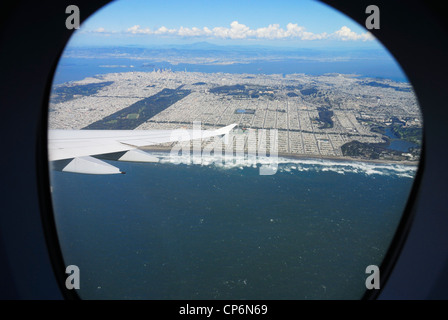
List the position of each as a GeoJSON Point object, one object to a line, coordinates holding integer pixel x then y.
{"type": "Point", "coordinates": [102, 31]}
{"type": "Point", "coordinates": [346, 34]}
{"type": "Point", "coordinates": [273, 31]}
{"type": "Point", "coordinates": [137, 30]}
{"type": "Point", "coordinates": [190, 32]}
{"type": "Point", "coordinates": [165, 30]}
{"type": "Point", "coordinates": [236, 31]}
{"type": "Point", "coordinates": [241, 31]}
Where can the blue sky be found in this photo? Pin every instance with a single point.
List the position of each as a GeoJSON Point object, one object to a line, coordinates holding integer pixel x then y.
{"type": "Point", "coordinates": [303, 23]}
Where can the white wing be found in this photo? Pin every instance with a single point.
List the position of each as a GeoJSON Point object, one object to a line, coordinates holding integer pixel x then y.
{"type": "Point", "coordinates": [79, 146]}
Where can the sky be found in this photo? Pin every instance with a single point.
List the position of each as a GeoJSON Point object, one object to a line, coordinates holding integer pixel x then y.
{"type": "Point", "coordinates": [302, 23]}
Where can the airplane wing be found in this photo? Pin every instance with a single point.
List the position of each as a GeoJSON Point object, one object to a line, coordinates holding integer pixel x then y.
{"type": "Point", "coordinates": [73, 150]}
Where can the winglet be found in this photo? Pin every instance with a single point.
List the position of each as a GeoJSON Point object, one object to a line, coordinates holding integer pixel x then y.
{"type": "Point", "coordinates": [225, 130]}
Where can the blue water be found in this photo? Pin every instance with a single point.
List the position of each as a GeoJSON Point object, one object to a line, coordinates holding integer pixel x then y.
{"type": "Point", "coordinates": [397, 144]}
{"type": "Point", "coordinates": [74, 69]}
{"type": "Point", "coordinates": [165, 231]}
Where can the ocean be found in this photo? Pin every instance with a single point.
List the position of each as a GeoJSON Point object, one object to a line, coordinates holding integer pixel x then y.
{"type": "Point", "coordinates": [223, 231]}
{"type": "Point", "coordinates": [75, 69]}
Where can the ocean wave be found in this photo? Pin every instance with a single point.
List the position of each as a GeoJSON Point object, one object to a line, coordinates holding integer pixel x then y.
{"type": "Point", "coordinates": [289, 165]}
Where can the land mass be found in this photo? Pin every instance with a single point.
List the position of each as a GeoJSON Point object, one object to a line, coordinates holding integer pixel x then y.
{"type": "Point", "coordinates": [329, 116]}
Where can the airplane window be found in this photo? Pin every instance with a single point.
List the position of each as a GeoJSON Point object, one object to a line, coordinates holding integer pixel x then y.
{"type": "Point", "coordinates": [265, 152]}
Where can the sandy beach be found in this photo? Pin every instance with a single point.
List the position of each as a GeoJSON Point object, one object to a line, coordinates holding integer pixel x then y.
{"type": "Point", "coordinates": [309, 157]}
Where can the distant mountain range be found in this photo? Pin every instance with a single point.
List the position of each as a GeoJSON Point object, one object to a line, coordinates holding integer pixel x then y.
{"type": "Point", "coordinates": [214, 52]}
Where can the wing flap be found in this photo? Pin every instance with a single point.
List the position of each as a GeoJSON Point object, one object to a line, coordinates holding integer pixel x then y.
{"type": "Point", "coordinates": [138, 156]}
{"type": "Point", "coordinates": [90, 165]}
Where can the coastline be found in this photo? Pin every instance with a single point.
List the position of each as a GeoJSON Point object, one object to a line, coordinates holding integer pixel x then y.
{"type": "Point", "coordinates": [310, 157]}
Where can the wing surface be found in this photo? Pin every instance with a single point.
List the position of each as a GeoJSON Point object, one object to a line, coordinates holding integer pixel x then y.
{"type": "Point", "coordinates": [83, 144]}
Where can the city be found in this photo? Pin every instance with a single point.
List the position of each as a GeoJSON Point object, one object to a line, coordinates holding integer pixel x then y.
{"type": "Point", "coordinates": [327, 116]}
